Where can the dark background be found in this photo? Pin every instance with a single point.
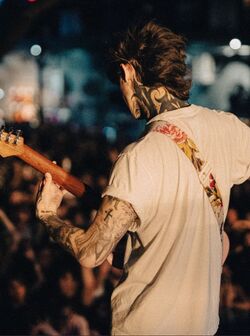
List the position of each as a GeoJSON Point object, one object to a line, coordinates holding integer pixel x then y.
{"type": "Point", "coordinates": [68, 110]}
{"type": "Point", "coordinates": [212, 20]}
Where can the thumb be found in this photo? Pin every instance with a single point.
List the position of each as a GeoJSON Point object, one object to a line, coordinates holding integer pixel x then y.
{"type": "Point", "coordinates": [48, 177]}
{"type": "Point", "coordinates": [64, 191]}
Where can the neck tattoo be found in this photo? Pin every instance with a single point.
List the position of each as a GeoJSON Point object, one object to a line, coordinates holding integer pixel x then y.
{"type": "Point", "coordinates": [151, 101]}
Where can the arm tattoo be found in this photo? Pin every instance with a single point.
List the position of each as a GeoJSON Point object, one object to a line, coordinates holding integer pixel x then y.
{"type": "Point", "coordinates": [92, 247]}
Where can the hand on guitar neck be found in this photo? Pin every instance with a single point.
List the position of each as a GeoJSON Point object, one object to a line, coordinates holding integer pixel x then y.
{"type": "Point", "coordinates": [12, 144]}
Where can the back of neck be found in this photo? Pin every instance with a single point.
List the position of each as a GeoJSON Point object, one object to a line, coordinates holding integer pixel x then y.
{"type": "Point", "coordinates": [151, 101]}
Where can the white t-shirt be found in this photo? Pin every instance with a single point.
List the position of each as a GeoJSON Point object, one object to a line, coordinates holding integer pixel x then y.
{"type": "Point", "coordinates": [172, 276]}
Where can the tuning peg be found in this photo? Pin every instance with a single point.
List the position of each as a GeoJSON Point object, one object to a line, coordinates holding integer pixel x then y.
{"type": "Point", "coordinates": [9, 134]}
{"type": "Point", "coordinates": [18, 134]}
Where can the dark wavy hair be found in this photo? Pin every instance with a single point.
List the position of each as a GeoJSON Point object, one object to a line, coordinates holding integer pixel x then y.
{"type": "Point", "coordinates": [158, 56]}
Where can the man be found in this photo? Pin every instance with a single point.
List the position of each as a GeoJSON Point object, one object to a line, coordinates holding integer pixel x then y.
{"type": "Point", "coordinates": [173, 257]}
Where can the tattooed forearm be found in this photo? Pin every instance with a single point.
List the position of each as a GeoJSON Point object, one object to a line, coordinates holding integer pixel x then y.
{"type": "Point", "coordinates": [60, 231]}
{"type": "Point", "coordinates": [93, 246]}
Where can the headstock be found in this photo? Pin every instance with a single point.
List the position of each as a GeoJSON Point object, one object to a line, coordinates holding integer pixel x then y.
{"type": "Point", "coordinates": [11, 143]}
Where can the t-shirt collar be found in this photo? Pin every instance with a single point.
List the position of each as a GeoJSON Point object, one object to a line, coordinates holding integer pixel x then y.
{"type": "Point", "coordinates": [165, 115]}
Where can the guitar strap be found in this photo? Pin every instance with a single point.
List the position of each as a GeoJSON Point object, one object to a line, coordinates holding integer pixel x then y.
{"type": "Point", "coordinates": [202, 167]}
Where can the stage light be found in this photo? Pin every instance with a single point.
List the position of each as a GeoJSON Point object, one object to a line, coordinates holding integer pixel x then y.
{"type": "Point", "coordinates": [235, 44]}
{"type": "Point", "coordinates": [36, 50]}
{"type": "Point", "coordinates": [2, 93]}
{"type": "Point", "coordinates": [31, 1]}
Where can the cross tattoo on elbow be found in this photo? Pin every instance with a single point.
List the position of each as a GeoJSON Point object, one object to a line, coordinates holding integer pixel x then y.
{"type": "Point", "coordinates": [108, 214]}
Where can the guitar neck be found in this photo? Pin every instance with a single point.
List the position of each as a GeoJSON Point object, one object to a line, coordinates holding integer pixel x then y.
{"type": "Point", "coordinates": [59, 175]}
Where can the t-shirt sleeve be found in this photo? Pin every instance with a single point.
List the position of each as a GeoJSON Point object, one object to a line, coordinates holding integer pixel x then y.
{"type": "Point", "coordinates": [131, 182]}
{"type": "Point", "coordinates": [240, 137]}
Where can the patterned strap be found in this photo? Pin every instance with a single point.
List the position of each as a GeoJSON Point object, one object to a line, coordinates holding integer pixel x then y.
{"type": "Point", "coordinates": [202, 167]}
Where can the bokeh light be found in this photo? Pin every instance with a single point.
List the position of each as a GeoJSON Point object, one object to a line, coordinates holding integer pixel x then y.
{"type": "Point", "coordinates": [36, 50]}
{"type": "Point", "coordinates": [235, 44]}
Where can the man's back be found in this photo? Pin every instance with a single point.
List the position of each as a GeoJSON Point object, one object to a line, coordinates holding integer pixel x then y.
{"type": "Point", "coordinates": [173, 270]}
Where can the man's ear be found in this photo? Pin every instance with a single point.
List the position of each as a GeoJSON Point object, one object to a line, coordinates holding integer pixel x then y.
{"type": "Point", "coordinates": [128, 72]}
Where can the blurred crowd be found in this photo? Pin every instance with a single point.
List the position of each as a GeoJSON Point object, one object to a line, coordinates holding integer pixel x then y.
{"type": "Point", "coordinates": [44, 291]}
